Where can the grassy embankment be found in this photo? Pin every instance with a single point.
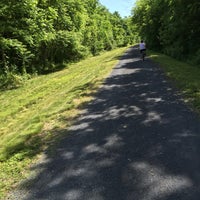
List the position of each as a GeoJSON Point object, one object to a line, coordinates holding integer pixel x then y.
{"type": "Point", "coordinates": [186, 77]}
{"type": "Point", "coordinates": [31, 114]}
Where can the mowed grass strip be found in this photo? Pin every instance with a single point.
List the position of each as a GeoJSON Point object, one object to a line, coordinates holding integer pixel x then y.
{"type": "Point", "coordinates": [185, 76]}
{"type": "Point", "coordinates": [30, 115]}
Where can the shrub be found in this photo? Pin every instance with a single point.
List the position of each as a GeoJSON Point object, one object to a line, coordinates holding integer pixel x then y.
{"type": "Point", "coordinates": [196, 58]}
{"type": "Point", "coordinates": [14, 56]}
{"type": "Point", "coordinates": [61, 47]}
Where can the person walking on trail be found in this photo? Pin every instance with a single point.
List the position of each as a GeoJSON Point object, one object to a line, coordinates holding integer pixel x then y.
{"type": "Point", "coordinates": [142, 47]}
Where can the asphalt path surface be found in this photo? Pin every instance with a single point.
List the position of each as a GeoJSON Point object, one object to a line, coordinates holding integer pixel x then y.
{"type": "Point", "coordinates": [137, 140]}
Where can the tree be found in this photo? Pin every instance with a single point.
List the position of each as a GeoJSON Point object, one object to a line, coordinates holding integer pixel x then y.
{"type": "Point", "coordinates": [37, 36]}
{"type": "Point", "coordinates": [170, 26]}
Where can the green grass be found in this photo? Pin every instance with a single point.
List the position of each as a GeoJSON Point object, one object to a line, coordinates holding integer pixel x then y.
{"type": "Point", "coordinates": [31, 114]}
{"type": "Point", "coordinates": [186, 77]}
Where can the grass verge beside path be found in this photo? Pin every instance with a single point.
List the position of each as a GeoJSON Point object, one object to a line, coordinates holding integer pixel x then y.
{"type": "Point", "coordinates": [30, 115]}
{"type": "Point", "coordinates": [185, 76]}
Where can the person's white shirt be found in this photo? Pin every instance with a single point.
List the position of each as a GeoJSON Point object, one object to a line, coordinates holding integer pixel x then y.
{"type": "Point", "coordinates": [142, 46]}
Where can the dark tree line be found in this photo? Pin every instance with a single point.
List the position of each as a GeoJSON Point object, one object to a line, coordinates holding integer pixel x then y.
{"type": "Point", "coordinates": [172, 26]}
{"type": "Point", "coordinates": [37, 36]}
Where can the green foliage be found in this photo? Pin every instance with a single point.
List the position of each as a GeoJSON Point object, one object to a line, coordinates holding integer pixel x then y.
{"type": "Point", "coordinates": [195, 58]}
{"type": "Point", "coordinates": [14, 56]}
{"type": "Point", "coordinates": [11, 80]}
{"type": "Point", "coordinates": [61, 47]}
{"type": "Point", "coordinates": [170, 26]}
{"type": "Point", "coordinates": [38, 36]}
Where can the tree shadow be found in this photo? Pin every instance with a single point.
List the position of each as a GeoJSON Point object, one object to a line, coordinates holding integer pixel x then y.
{"type": "Point", "coordinates": [135, 140]}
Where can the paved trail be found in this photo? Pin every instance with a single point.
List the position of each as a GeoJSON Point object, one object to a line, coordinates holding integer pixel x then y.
{"type": "Point", "coordinates": [136, 141]}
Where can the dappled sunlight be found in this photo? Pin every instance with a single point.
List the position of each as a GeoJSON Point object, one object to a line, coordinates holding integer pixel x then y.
{"type": "Point", "coordinates": [68, 155]}
{"type": "Point", "coordinates": [86, 169]}
{"type": "Point", "coordinates": [113, 141]}
{"type": "Point", "coordinates": [119, 71]}
{"type": "Point", "coordinates": [106, 162]}
{"type": "Point", "coordinates": [131, 60]}
{"type": "Point", "coordinates": [152, 117]}
{"type": "Point", "coordinates": [134, 141]}
{"type": "Point", "coordinates": [115, 112]}
{"type": "Point", "coordinates": [186, 134]}
{"type": "Point", "coordinates": [155, 182]}
{"type": "Point", "coordinates": [93, 148]}
{"type": "Point", "coordinates": [73, 194]}
{"type": "Point", "coordinates": [80, 127]}
{"type": "Point", "coordinates": [56, 181]}
{"type": "Point", "coordinates": [154, 100]}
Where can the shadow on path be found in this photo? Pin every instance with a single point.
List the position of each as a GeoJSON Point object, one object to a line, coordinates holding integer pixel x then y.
{"type": "Point", "coordinates": [136, 141]}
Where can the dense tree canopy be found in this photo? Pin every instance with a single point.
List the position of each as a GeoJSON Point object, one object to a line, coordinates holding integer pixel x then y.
{"type": "Point", "coordinates": [38, 35]}
{"type": "Point", "coordinates": [172, 26]}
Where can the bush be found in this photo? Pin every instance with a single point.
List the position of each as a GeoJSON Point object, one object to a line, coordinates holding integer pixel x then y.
{"type": "Point", "coordinates": [174, 50]}
{"type": "Point", "coordinates": [196, 58]}
{"type": "Point", "coordinates": [62, 47]}
{"type": "Point", "coordinates": [14, 56]}
{"type": "Point", "coordinates": [10, 80]}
